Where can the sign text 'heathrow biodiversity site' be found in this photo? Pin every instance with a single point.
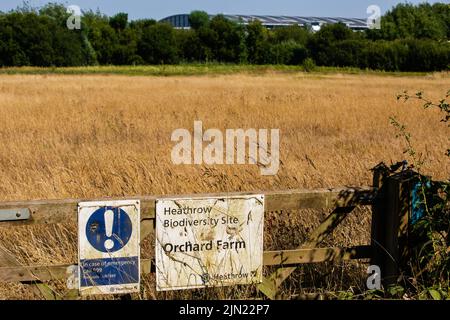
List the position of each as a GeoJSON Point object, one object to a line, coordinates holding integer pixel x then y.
{"type": "Point", "coordinates": [209, 241]}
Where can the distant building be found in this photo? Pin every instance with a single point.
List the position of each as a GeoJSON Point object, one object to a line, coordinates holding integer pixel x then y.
{"type": "Point", "coordinates": [181, 21]}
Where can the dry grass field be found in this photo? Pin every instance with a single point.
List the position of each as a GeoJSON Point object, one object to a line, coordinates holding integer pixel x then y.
{"type": "Point", "coordinates": [90, 136]}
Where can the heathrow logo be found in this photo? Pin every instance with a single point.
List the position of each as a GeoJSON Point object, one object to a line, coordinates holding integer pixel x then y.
{"type": "Point", "coordinates": [229, 150]}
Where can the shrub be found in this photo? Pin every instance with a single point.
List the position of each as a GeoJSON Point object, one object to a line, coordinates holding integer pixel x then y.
{"type": "Point", "coordinates": [289, 52]}
{"type": "Point", "coordinates": [430, 232]}
{"type": "Point", "coordinates": [308, 65]}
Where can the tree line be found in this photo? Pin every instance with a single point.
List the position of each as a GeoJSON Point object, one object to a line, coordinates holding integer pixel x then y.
{"type": "Point", "coordinates": [411, 38]}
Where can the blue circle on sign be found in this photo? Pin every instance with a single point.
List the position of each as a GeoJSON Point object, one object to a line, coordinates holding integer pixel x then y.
{"type": "Point", "coordinates": [109, 229]}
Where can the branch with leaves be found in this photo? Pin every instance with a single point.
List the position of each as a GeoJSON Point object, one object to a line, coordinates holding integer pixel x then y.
{"type": "Point", "coordinates": [430, 235]}
{"type": "Point", "coordinates": [443, 105]}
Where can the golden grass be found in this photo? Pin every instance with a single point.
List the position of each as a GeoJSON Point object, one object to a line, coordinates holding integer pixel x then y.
{"type": "Point", "coordinates": [94, 136]}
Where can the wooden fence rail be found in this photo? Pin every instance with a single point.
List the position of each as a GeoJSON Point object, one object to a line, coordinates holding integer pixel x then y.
{"type": "Point", "coordinates": [271, 258]}
{"type": "Point", "coordinates": [62, 211]}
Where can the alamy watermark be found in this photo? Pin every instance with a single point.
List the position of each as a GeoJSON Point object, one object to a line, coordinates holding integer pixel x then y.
{"type": "Point", "coordinates": [74, 21]}
{"type": "Point", "coordinates": [374, 279]}
{"type": "Point", "coordinates": [374, 20]}
{"type": "Point", "coordinates": [229, 148]}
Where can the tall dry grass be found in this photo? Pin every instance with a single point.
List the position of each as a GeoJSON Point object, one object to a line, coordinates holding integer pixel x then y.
{"type": "Point", "coordinates": [98, 136]}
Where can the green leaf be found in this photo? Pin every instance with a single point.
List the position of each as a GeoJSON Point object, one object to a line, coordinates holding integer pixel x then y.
{"type": "Point", "coordinates": [435, 294]}
{"type": "Point", "coordinates": [71, 295]}
{"type": "Point", "coordinates": [396, 290]}
{"type": "Point", "coordinates": [47, 292]}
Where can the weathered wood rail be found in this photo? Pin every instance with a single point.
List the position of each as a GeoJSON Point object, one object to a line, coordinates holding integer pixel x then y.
{"type": "Point", "coordinates": [390, 212]}
{"type": "Point", "coordinates": [58, 211]}
{"type": "Point", "coordinates": [271, 258]}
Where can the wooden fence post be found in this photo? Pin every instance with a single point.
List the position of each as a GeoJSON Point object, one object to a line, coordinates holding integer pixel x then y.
{"type": "Point", "coordinates": [391, 212]}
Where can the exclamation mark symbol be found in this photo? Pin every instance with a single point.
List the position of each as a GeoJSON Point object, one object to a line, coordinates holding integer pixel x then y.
{"type": "Point", "coordinates": [109, 222]}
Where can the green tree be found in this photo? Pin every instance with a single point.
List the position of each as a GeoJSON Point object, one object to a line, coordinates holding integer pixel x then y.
{"type": "Point", "coordinates": [125, 50]}
{"type": "Point", "coordinates": [28, 39]}
{"type": "Point", "coordinates": [119, 21]}
{"type": "Point", "coordinates": [322, 45]}
{"type": "Point", "coordinates": [71, 47]}
{"type": "Point", "coordinates": [198, 19]}
{"type": "Point", "coordinates": [257, 43]}
{"type": "Point", "coordinates": [190, 47]}
{"type": "Point", "coordinates": [226, 39]}
{"type": "Point", "coordinates": [288, 52]}
{"type": "Point", "coordinates": [101, 35]}
{"type": "Point", "coordinates": [291, 33]}
{"type": "Point", "coordinates": [56, 11]}
{"type": "Point", "coordinates": [406, 21]}
{"type": "Point", "coordinates": [157, 44]}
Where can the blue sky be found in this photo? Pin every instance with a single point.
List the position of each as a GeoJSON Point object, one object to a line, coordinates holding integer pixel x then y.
{"type": "Point", "coordinates": [158, 9]}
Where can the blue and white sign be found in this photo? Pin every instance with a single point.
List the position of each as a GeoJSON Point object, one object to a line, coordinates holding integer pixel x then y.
{"type": "Point", "coordinates": [109, 248]}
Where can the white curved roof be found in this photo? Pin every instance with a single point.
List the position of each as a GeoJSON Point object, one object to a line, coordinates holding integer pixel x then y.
{"type": "Point", "coordinates": [182, 20]}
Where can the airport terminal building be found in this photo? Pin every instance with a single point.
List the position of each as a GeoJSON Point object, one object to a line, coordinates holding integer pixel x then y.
{"type": "Point", "coordinates": [181, 21]}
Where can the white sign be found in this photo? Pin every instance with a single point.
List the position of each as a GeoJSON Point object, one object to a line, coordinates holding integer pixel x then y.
{"type": "Point", "coordinates": [108, 247]}
{"type": "Point", "coordinates": [204, 242]}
